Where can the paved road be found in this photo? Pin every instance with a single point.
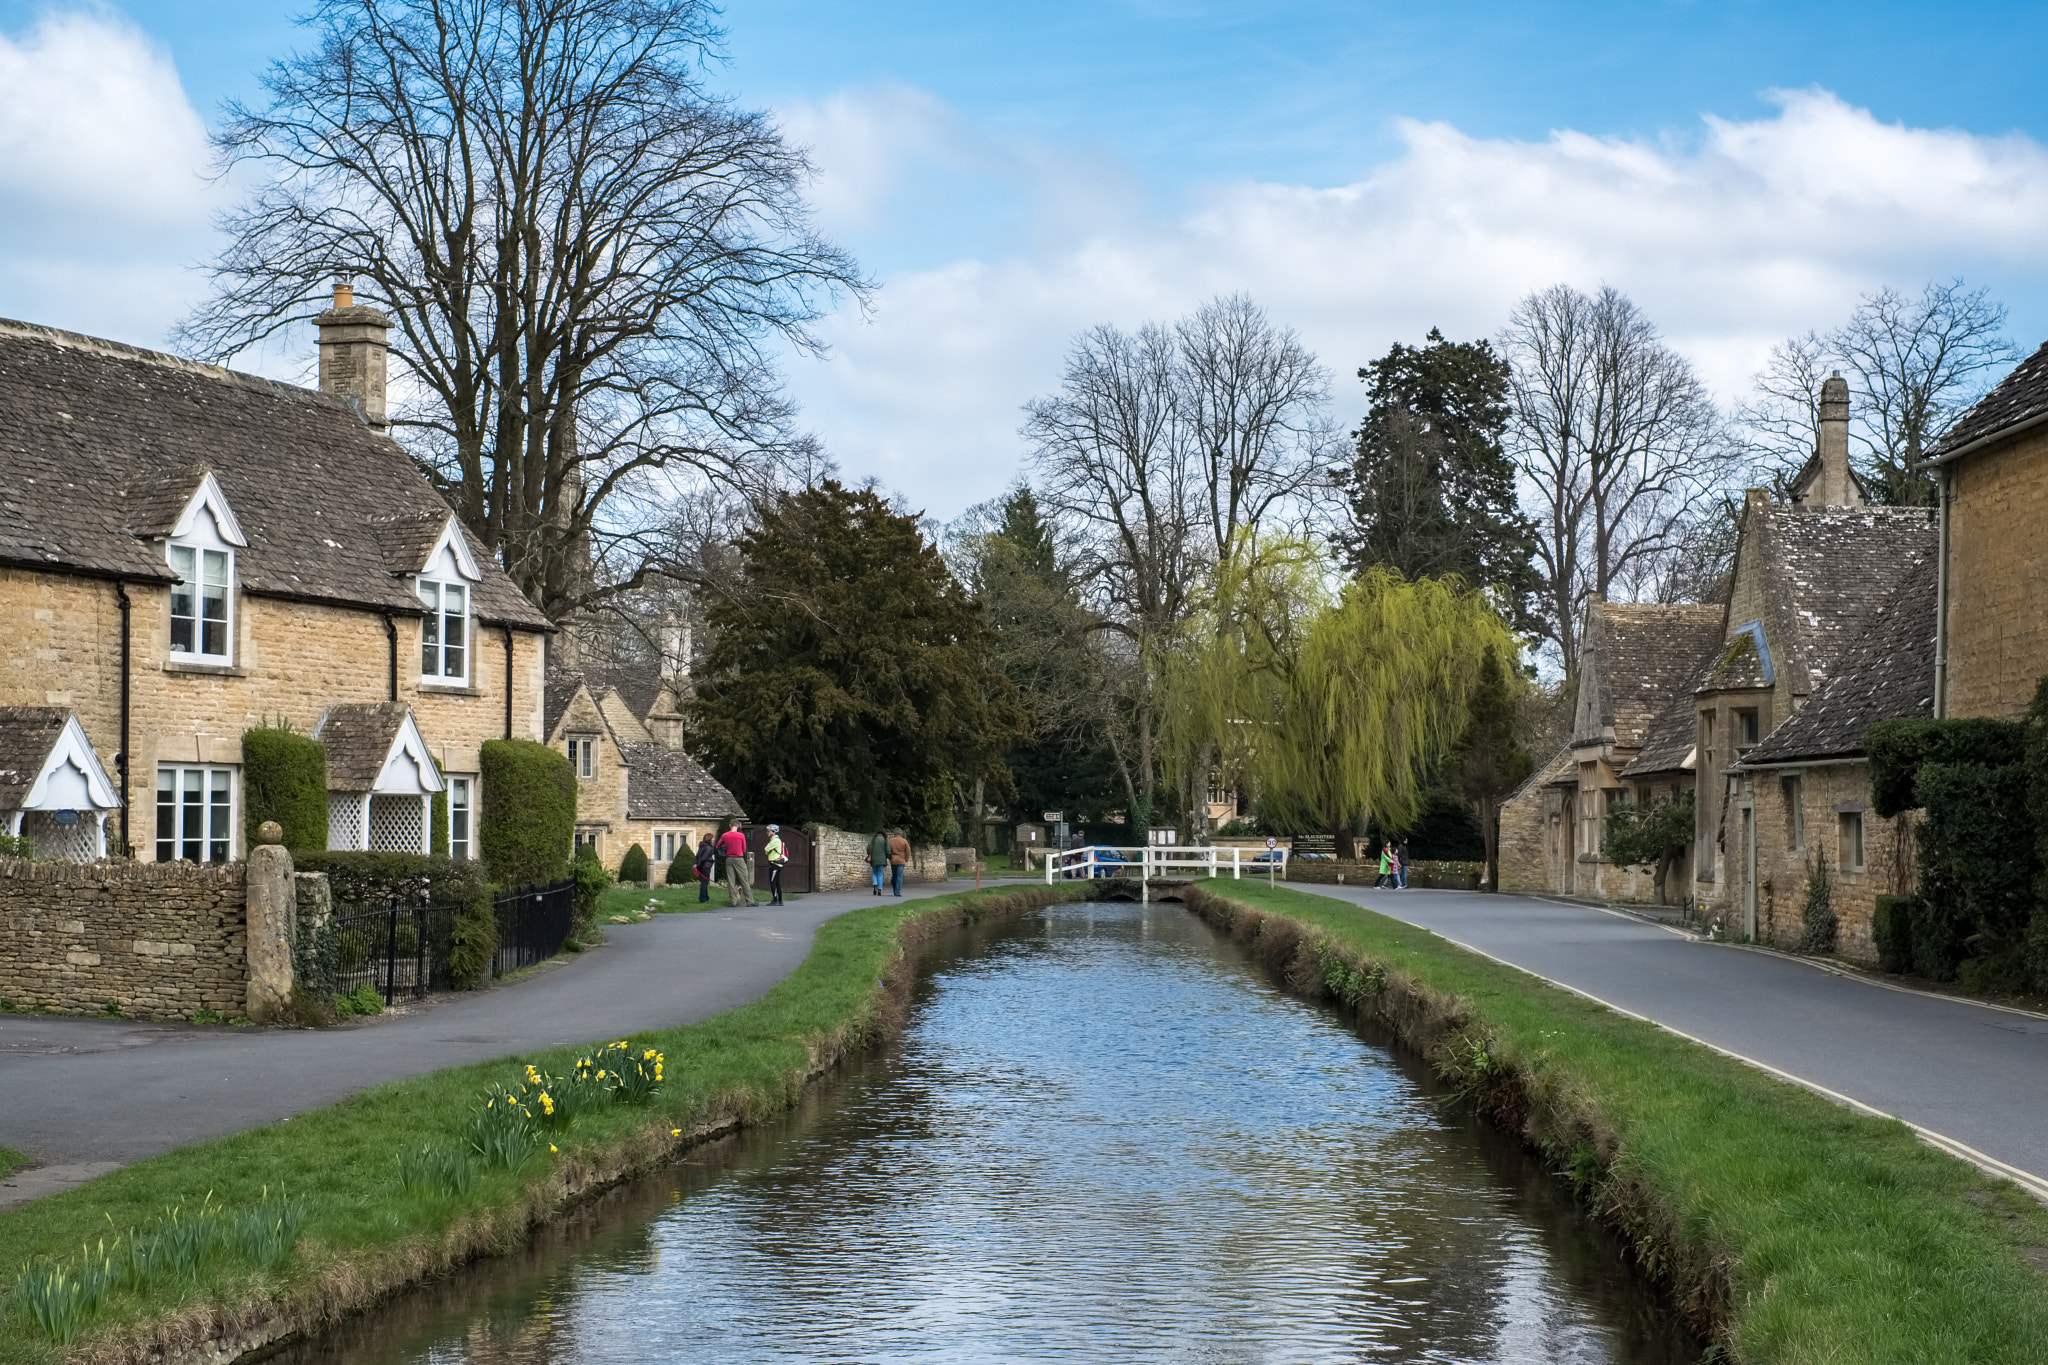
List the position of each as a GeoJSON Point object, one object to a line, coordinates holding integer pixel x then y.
{"type": "Point", "coordinates": [1973, 1074]}
{"type": "Point", "coordinates": [86, 1095]}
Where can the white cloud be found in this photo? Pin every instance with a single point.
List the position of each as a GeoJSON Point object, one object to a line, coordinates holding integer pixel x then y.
{"type": "Point", "coordinates": [102, 165]}
{"type": "Point", "coordinates": [1731, 239]}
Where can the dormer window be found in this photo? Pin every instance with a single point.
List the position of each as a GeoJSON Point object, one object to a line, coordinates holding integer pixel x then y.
{"type": "Point", "coordinates": [201, 552]}
{"type": "Point", "coordinates": [444, 634]}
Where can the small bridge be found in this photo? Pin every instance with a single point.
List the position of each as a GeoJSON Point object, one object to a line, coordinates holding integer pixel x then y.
{"type": "Point", "coordinates": [1144, 865]}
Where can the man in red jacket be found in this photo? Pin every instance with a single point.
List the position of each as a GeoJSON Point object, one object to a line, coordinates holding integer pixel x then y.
{"type": "Point", "coordinates": [739, 867]}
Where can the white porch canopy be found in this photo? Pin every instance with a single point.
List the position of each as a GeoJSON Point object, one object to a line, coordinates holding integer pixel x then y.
{"type": "Point", "coordinates": [63, 808]}
{"type": "Point", "coordinates": [393, 813]}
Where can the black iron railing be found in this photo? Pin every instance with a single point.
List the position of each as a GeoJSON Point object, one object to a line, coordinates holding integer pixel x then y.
{"type": "Point", "coordinates": [533, 921]}
{"type": "Point", "coordinates": [400, 951]}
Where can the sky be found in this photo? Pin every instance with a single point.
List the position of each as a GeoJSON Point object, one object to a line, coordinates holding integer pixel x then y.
{"type": "Point", "coordinates": [1014, 174]}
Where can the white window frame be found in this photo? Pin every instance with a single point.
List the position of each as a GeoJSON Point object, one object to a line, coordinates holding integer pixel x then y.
{"type": "Point", "coordinates": [434, 644]}
{"type": "Point", "coordinates": [583, 755]}
{"type": "Point", "coordinates": [218, 820]}
{"type": "Point", "coordinates": [462, 806]}
{"type": "Point", "coordinates": [193, 586]}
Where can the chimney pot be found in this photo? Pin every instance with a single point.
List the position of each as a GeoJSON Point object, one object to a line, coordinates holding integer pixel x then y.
{"type": "Point", "coordinates": [344, 295]}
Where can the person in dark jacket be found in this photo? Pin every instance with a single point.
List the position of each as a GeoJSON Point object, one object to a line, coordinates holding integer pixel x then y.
{"type": "Point", "coordinates": [878, 858]}
{"type": "Point", "coordinates": [707, 868]}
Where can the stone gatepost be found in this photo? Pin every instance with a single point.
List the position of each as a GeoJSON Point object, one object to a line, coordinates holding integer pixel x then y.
{"type": "Point", "coordinates": [273, 905]}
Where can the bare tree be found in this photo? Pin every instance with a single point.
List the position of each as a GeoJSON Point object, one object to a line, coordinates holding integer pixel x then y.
{"type": "Point", "coordinates": [1918, 364]}
{"type": "Point", "coordinates": [1777, 421]}
{"type": "Point", "coordinates": [1164, 449]}
{"type": "Point", "coordinates": [589, 256]}
{"type": "Point", "coordinates": [1615, 436]}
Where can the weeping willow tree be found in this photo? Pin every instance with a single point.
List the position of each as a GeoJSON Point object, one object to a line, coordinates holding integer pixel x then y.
{"type": "Point", "coordinates": [1338, 710]}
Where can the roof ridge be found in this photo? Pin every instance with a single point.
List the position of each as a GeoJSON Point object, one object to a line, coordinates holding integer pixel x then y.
{"type": "Point", "coordinates": [121, 350]}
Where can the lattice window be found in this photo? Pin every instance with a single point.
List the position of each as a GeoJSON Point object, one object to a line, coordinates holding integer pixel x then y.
{"type": "Point", "coordinates": [395, 824]}
{"type": "Point", "coordinates": [344, 820]}
{"type": "Point", "coordinates": [59, 843]}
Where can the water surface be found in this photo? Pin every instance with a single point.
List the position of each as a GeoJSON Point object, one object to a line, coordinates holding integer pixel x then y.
{"type": "Point", "coordinates": [1104, 1137]}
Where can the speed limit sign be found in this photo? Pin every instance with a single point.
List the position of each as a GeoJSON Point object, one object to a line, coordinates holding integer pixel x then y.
{"type": "Point", "coordinates": [1271, 842]}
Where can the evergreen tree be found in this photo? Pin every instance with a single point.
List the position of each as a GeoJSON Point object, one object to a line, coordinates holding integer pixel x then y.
{"type": "Point", "coordinates": [1429, 489]}
{"type": "Point", "coordinates": [1490, 761]}
{"type": "Point", "coordinates": [852, 679]}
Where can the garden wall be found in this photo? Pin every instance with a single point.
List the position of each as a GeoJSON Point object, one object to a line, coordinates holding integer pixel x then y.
{"type": "Point", "coordinates": [843, 859]}
{"type": "Point", "coordinates": [155, 940]}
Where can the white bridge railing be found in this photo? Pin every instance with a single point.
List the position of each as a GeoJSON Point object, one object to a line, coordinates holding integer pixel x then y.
{"type": "Point", "coordinates": [1104, 860]}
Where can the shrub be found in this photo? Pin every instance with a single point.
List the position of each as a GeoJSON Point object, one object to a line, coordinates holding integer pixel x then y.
{"type": "Point", "coordinates": [529, 811]}
{"type": "Point", "coordinates": [633, 867]}
{"type": "Point", "coordinates": [473, 942]}
{"type": "Point", "coordinates": [1891, 932]}
{"type": "Point", "coordinates": [1898, 749]}
{"type": "Point", "coordinates": [1817, 925]}
{"type": "Point", "coordinates": [17, 846]}
{"type": "Point", "coordinates": [372, 881]}
{"type": "Point", "coordinates": [592, 880]}
{"type": "Point", "coordinates": [284, 778]}
{"type": "Point", "coordinates": [682, 869]}
{"type": "Point", "coordinates": [1938, 935]}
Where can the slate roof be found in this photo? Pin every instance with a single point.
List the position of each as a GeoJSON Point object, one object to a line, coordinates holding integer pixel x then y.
{"type": "Point", "coordinates": [101, 446]}
{"type": "Point", "coordinates": [556, 694]}
{"type": "Point", "coordinates": [1825, 574]}
{"type": "Point", "coordinates": [2021, 396]}
{"type": "Point", "coordinates": [1636, 656]}
{"type": "Point", "coordinates": [667, 784]}
{"type": "Point", "coordinates": [27, 734]}
{"type": "Point", "coordinates": [1675, 733]}
{"type": "Point", "coordinates": [638, 684]}
{"type": "Point", "coordinates": [358, 737]}
{"type": "Point", "coordinates": [1887, 674]}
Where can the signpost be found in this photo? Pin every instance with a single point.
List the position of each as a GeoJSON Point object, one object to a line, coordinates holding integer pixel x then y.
{"type": "Point", "coordinates": [1271, 857]}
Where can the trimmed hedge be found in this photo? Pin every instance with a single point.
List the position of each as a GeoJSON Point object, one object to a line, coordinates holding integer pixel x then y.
{"type": "Point", "coordinates": [363, 882]}
{"type": "Point", "coordinates": [284, 778]}
{"type": "Point", "coordinates": [633, 867]}
{"type": "Point", "coordinates": [1891, 932]}
{"type": "Point", "coordinates": [682, 869]}
{"type": "Point", "coordinates": [529, 811]}
{"type": "Point", "coordinates": [1898, 748]}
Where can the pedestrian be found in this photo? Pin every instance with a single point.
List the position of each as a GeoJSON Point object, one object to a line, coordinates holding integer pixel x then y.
{"type": "Point", "coordinates": [1401, 862]}
{"type": "Point", "coordinates": [776, 855]}
{"type": "Point", "coordinates": [739, 868]}
{"type": "Point", "coordinates": [878, 858]}
{"type": "Point", "coordinates": [707, 867]}
{"type": "Point", "coordinates": [1386, 864]}
{"type": "Point", "coordinates": [899, 854]}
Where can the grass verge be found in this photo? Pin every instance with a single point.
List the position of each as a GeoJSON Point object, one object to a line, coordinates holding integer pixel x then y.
{"type": "Point", "coordinates": [12, 1161]}
{"type": "Point", "coordinates": [1789, 1230]}
{"type": "Point", "coordinates": [631, 901]}
{"type": "Point", "coordinates": [364, 1236]}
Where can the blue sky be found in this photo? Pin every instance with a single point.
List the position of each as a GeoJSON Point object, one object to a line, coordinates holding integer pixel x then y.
{"type": "Point", "coordinates": [1014, 173]}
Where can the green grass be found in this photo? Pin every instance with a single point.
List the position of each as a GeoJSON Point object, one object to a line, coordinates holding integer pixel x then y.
{"type": "Point", "coordinates": [673, 900]}
{"type": "Point", "coordinates": [12, 1161]}
{"type": "Point", "coordinates": [1845, 1238]}
{"type": "Point", "coordinates": [993, 865]}
{"type": "Point", "coordinates": [343, 1161]}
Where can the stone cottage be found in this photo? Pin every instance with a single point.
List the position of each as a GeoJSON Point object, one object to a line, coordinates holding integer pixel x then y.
{"type": "Point", "coordinates": [621, 727]}
{"type": "Point", "coordinates": [187, 552]}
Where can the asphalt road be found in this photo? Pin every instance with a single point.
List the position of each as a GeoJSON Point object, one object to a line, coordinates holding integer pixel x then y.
{"type": "Point", "coordinates": [1970, 1073]}
{"type": "Point", "coordinates": [85, 1095]}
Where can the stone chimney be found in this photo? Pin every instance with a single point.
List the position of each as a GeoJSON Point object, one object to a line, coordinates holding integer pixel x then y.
{"type": "Point", "coordinates": [353, 348]}
{"type": "Point", "coordinates": [1827, 481]}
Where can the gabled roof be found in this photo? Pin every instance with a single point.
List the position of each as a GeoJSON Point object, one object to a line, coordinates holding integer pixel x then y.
{"type": "Point", "coordinates": [37, 743]}
{"type": "Point", "coordinates": [374, 747]}
{"type": "Point", "coordinates": [1823, 574]}
{"type": "Point", "coordinates": [639, 685]}
{"type": "Point", "coordinates": [1673, 742]}
{"type": "Point", "coordinates": [104, 446]}
{"type": "Point", "coordinates": [2018, 400]}
{"type": "Point", "coordinates": [667, 784]}
{"type": "Point", "coordinates": [1636, 656]}
{"type": "Point", "coordinates": [1888, 674]}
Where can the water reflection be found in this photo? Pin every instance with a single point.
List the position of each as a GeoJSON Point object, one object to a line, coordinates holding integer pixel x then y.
{"type": "Point", "coordinates": [1103, 1138]}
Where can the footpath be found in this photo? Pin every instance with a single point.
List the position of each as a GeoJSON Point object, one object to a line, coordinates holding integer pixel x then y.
{"type": "Point", "coordinates": [1973, 1078]}
{"type": "Point", "coordinates": [84, 1096]}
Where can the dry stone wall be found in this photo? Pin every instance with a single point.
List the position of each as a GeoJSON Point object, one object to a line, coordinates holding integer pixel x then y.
{"type": "Point", "coordinates": [843, 859]}
{"type": "Point", "coordinates": [154, 940]}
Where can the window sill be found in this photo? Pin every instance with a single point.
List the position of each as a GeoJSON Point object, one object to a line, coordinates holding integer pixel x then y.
{"type": "Point", "coordinates": [449, 690]}
{"type": "Point", "coordinates": [205, 670]}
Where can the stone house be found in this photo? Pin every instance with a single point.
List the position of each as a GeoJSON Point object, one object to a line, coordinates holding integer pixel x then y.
{"type": "Point", "coordinates": [621, 727]}
{"type": "Point", "coordinates": [187, 552]}
{"type": "Point", "coordinates": [1819, 613]}
{"type": "Point", "coordinates": [1992, 581]}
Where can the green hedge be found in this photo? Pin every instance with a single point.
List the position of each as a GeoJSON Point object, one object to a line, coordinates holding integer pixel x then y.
{"type": "Point", "coordinates": [529, 811]}
{"type": "Point", "coordinates": [284, 778]}
{"type": "Point", "coordinates": [363, 882]}
{"type": "Point", "coordinates": [682, 869]}
{"type": "Point", "coordinates": [1891, 933]}
{"type": "Point", "coordinates": [633, 867]}
{"type": "Point", "coordinates": [1898, 748]}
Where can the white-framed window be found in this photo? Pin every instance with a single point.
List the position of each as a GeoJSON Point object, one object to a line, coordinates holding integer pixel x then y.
{"type": "Point", "coordinates": [670, 844]}
{"type": "Point", "coordinates": [203, 603]}
{"type": "Point", "coordinates": [444, 632]}
{"type": "Point", "coordinates": [1849, 835]}
{"type": "Point", "coordinates": [462, 817]}
{"type": "Point", "coordinates": [583, 755]}
{"type": "Point", "coordinates": [195, 814]}
{"type": "Point", "coordinates": [592, 839]}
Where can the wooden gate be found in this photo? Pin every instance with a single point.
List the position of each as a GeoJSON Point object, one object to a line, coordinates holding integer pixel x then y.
{"type": "Point", "coordinates": [800, 874]}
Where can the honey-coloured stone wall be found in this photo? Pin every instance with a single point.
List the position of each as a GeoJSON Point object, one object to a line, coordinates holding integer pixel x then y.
{"type": "Point", "coordinates": [154, 941]}
{"type": "Point", "coordinates": [1997, 578]}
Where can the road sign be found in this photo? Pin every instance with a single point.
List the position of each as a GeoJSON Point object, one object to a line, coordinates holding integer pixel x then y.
{"type": "Point", "coordinates": [1053, 817]}
{"type": "Point", "coordinates": [1271, 842]}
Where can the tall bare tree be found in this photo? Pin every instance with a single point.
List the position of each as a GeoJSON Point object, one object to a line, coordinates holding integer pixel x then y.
{"type": "Point", "coordinates": [1164, 448]}
{"type": "Point", "coordinates": [1776, 422]}
{"type": "Point", "coordinates": [1615, 436]}
{"type": "Point", "coordinates": [589, 255]}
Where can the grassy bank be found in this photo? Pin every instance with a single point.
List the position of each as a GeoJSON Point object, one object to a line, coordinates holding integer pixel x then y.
{"type": "Point", "coordinates": [334, 1176]}
{"type": "Point", "coordinates": [1789, 1229]}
